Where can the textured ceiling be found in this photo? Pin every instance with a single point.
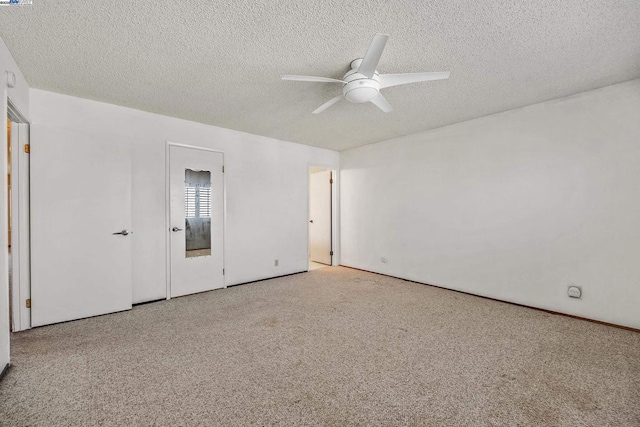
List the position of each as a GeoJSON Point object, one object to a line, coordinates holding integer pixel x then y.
{"type": "Point", "coordinates": [219, 62]}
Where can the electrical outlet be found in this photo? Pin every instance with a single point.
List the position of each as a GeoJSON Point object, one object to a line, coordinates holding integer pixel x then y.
{"type": "Point", "coordinates": [574, 292]}
{"type": "Point", "coordinates": [383, 260]}
{"type": "Point", "coordinates": [276, 263]}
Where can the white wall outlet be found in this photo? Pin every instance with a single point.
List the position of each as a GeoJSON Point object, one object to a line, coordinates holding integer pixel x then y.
{"type": "Point", "coordinates": [574, 292]}
{"type": "Point", "coordinates": [383, 260]}
{"type": "Point", "coordinates": [276, 263]}
{"type": "Point", "coordinates": [11, 79]}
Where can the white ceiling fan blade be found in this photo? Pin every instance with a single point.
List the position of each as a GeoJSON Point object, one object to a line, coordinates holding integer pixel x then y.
{"type": "Point", "coordinates": [388, 80]}
{"type": "Point", "coordinates": [327, 104]}
{"type": "Point", "coordinates": [311, 79]}
{"type": "Point", "coordinates": [381, 103]}
{"type": "Point", "coordinates": [372, 57]}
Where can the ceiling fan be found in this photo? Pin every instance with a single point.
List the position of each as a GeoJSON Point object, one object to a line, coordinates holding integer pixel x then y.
{"type": "Point", "coordinates": [362, 83]}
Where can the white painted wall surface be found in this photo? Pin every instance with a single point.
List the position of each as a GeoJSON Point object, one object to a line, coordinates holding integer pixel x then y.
{"type": "Point", "coordinates": [20, 93]}
{"type": "Point", "coordinates": [266, 183]}
{"type": "Point", "coordinates": [20, 97]}
{"type": "Point", "coordinates": [514, 206]}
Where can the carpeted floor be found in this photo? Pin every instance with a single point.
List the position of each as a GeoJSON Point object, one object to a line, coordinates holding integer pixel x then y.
{"type": "Point", "coordinates": [334, 346]}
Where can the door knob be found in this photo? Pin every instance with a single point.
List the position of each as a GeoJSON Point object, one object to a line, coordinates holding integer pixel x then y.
{"type": "Point", "coordinates": [176, 229]}
{"type": "Point", "coordinates": [122, 233]}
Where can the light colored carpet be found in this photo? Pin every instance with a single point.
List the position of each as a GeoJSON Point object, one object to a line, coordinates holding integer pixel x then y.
{"type": "Point", "coordinates": [334, 346]}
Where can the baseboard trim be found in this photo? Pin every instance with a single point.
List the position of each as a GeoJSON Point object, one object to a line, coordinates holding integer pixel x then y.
{"type": "Point", "coordinates": [267, 278]}
{"type": "Point", "coordinates": [4, 371]}
{"type": "Point", "coordinates": [137, 304]}
{"type": "Point", "coordinates": [628, 328]}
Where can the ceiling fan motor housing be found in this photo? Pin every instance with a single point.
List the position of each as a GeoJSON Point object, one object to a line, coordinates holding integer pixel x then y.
{"type": "Point", "coordinates": [362, 83]}
{"type": "Point", "coordinates": [359, 88]}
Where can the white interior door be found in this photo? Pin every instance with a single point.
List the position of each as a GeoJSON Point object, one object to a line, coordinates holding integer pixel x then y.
{"type": "Point", "coordinates": [320, 217]}
{"type": "Point", "coordinates": [81, 197]}
{"type": "Point", "coordinates": [196, 220]}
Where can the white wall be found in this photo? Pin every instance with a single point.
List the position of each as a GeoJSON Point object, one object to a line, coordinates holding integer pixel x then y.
{"type": "Point", "coordinates": [20, 97]}
{"type": "Point", "coordinates": [265, 178]}
{"type": "Point", "coordinates": [514, 206]}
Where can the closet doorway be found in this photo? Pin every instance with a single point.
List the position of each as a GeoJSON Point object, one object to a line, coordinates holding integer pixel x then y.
{"type": "Point", "coordinates": [321, 194]}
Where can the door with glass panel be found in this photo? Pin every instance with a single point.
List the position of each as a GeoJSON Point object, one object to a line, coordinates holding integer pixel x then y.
{"type": "Point", "coordinates": [196, 197]}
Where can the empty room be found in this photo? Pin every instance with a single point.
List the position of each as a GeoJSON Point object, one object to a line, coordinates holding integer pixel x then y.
{"type": "Point", "coordinates": [358, 213]}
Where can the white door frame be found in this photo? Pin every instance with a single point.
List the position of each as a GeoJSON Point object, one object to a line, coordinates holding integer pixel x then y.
{"type": "Point", "coordinates": [335, 209]}
{"type": "Point", "coordinates": [167, 217]}
{"type": "Point", "coordinates": [20, 223]}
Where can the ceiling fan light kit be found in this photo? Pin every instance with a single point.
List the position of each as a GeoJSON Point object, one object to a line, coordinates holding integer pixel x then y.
{"type": "Point", "coordinates": [362, 83]}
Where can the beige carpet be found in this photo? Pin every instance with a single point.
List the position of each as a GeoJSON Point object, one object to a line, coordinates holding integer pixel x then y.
{"type": "Point", "coordinates": [334, 346]}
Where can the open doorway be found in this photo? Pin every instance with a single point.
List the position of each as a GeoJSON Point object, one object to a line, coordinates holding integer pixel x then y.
{"type": "Point", "coordinates": [321, 181]}
{"type": "Point", "coordinates": [17, 226]}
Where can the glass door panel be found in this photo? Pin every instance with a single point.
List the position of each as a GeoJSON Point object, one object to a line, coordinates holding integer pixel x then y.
{"type": "Point", "coordinates": [197, 209]}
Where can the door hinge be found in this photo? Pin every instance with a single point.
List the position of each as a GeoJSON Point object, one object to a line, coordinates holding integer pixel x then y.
{"type": "Point", "coordinates": [27, 148]}
{"type": "Point", "coordinates": [222, 169]}
{"type": "Point", "coordinates": [223, 271]}
{"type": "Point", "coordinates": [29, 303]}
{"type": "Point", "coordinates": [331, 181]}
{"type": "Point", "coordinates": [331, 253]}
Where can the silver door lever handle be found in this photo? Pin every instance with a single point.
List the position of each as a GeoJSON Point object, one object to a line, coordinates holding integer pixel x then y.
{"type": "Point", "coordinates": [122, 233]}
{"type": "Point", "coordinates": [175, 229]}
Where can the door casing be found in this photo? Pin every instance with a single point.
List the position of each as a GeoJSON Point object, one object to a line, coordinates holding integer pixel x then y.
{"type": "Point", "coordinates": [20, 221]}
